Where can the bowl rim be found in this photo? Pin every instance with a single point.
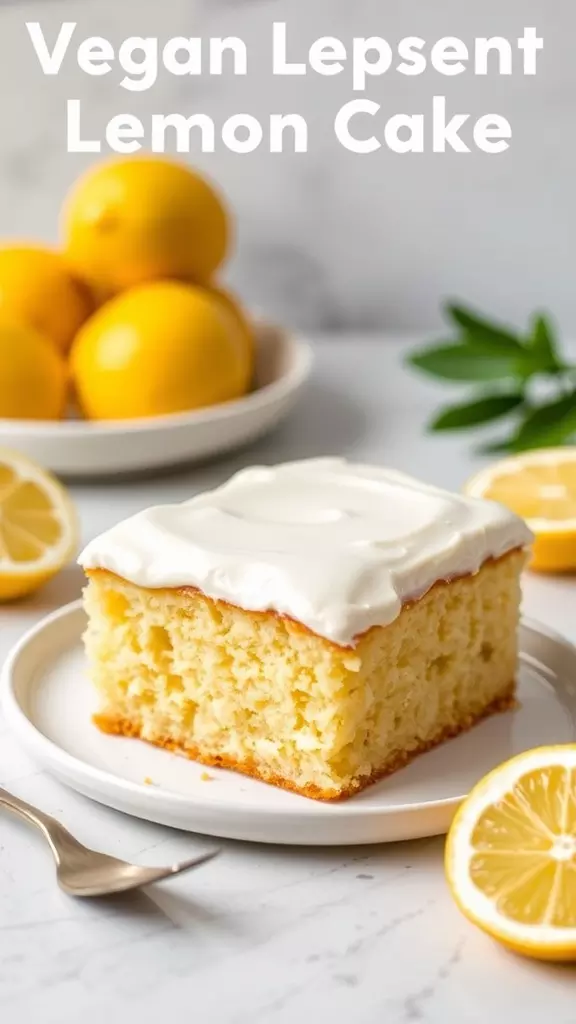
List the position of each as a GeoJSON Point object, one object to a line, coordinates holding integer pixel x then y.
{"type": "Point", "coordinates": [274, 391]}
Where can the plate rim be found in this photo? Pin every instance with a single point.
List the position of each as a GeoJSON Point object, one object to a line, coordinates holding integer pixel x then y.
{"type": "Point", "coordinates": [50, 754]}
{"type": "Point", "coordinates": [270, 393]}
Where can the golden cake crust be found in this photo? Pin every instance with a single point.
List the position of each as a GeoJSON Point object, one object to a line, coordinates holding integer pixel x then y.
{"type": "Point", "coordinates": [124, 727]}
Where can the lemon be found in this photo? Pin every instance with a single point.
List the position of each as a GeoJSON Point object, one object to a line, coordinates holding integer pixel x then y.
{"type": "Point", "coordinates": [158, 349]}
{"type": "Point", "coordinates": [541, 487]}
{"type": "Point", "coordinates": [511, 854]}
{"type": "Point", "coordinates": [246, 334]}
{"type": "Point", "coordinates": [33, 377]}
{"type": "Point", "coordinates": [136, 220]}
{"type": "Point", "coordinates": [37, 289]}
{"type": "Point", "coordinates": [38, 526]}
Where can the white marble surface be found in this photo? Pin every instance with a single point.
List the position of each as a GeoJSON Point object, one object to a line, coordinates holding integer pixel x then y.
{"type": "Point", "coordinates": [330, 239]}
{"type": "Point", "coordinates": [264, 934]}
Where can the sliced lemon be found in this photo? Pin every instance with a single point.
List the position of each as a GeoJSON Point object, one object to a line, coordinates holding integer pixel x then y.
{"type": "Point", "coordinates": [511, 854]}
{"type": "Point", "coordinates": [541, 487]}
{"type": "Point", "coordinates": [38, 526]}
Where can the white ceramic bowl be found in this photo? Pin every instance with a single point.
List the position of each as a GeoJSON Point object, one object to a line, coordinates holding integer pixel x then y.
{"type": "Point", "coordinates": [80, 448]}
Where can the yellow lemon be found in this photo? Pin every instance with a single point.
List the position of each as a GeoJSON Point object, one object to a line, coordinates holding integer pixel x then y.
{"type": "Point", "coordinates": [38, 526]}
{"type": "Point", "coordinates": [161, 348]}
{"type": "Point", "coordinates": [136, 220]}
{"type": "Point", "coordinates": [246, 333]}
{"type": "Point", "coordinates": [541, 487]}
{"type": "Point", "coordinates": [37, 288]}
{"type": "Point", "coordinates": [511, 854]}
{"type": "Point", "coordinates": [33, 377]}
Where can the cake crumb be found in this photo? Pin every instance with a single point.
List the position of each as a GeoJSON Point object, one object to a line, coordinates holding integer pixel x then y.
{"type": "Point", "coordinates": [148, 781]}
{"type": "Point", "coordinates": [206, 777]}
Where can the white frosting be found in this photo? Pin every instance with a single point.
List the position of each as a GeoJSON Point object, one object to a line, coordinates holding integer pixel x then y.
{"type": "Point", "coordinates": [338, 547]}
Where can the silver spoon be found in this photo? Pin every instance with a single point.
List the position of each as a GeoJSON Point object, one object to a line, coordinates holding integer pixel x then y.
{"type": "Point", "coordinates": [84, 872]}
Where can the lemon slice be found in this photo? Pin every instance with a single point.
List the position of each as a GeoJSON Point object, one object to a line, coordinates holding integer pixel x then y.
{"type": "Point", "coordinates": [541, 487]}
{"type": "Point", "coordinates": [38, 526]}
{"type": "Point", "coordinates": [511, 854]}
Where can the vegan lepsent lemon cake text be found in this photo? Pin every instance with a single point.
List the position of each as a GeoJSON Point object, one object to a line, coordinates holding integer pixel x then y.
{"type": "Point", "coordinates": [315, 624]}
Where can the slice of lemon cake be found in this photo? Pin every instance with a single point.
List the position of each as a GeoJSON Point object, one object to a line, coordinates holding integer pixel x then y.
{"type": "Point", "coordinates": [315, 624]}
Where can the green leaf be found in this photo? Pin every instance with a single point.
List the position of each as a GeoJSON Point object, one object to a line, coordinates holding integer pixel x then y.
{"type": "Point", "coordinates": [543, 343]}
{"type": "Point", "coordinates": [472, 414]}
{"type": "Point", "coordinates": [467, 363]}
{"type": "Point", "coordinates": [551, 424]}
{"type": "Point", "coordinates": [483, 351]}
{"type": "Point", "coordinates": [481, 332]}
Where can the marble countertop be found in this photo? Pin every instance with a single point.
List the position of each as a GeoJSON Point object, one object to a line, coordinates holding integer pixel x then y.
{"type": "Point", "coordinates": [270, 934]}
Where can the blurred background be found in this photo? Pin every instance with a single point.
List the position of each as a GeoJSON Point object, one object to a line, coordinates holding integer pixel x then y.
{"type": "Point", "coordinates": [330, 240]}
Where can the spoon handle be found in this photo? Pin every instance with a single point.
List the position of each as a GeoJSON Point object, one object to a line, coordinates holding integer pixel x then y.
{"type": "Point", "coordinates": [58, 837]}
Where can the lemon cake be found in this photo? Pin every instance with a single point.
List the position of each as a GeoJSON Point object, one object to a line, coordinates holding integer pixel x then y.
{"type": "Point", "coordinates": [315, 624]}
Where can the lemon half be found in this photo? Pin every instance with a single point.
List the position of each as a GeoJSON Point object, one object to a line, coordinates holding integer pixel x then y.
{"type": "Point", "coordinates": [540, 486]}
{"type": "Point", "coordinates": [511, 854]}
{"type": "Point", "coordinates": [38, 526]}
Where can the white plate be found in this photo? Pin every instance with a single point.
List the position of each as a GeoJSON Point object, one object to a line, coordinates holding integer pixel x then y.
{"type": "Point", "coordinates": [79, 448]}
{"type": "Point", "coordinates": [48, 703]}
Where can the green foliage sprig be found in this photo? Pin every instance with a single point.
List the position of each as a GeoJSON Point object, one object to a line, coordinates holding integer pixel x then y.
{"type": "Point", "coordinates": [507, 369]}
